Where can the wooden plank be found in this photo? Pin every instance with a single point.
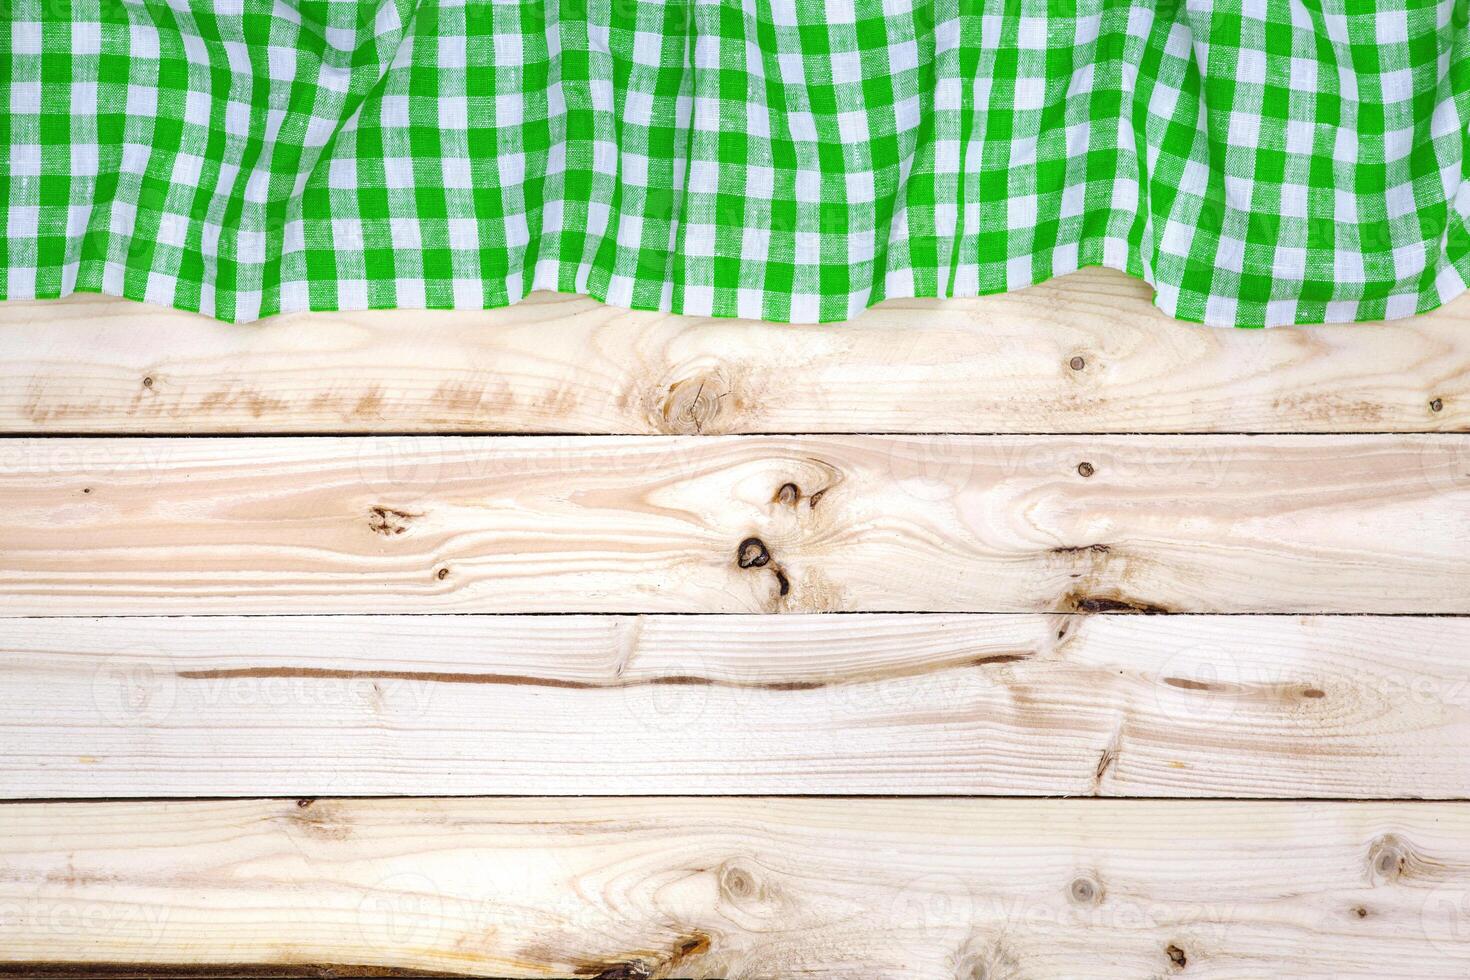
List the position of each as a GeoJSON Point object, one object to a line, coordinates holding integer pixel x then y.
{"type": "Point", "coordinates": [736, 524]}
{"type": "Point", "coordinates": [569, 364]}
{"type": "Point", "coordinates": [821, 888]}
{"type": "Point", "coordinates": [1184, 706]}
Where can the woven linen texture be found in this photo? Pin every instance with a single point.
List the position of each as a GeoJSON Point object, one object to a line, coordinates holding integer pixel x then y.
{"type": "Point", "coordinates": [1260, 163]}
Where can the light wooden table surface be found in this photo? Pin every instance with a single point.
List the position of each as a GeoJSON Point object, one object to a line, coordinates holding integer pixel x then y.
{"type": "Point", "coordinates": [485, 643]}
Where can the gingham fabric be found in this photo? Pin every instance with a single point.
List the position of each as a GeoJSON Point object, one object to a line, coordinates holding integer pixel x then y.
{"type": "Point", "coordinates": [1263, 162]}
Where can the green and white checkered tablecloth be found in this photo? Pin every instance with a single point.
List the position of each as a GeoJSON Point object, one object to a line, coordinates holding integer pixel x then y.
{"type": "Point", "coordinates": [1258, 161]}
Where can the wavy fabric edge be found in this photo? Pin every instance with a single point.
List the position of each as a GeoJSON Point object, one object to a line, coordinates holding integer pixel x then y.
{"type": "Point", "coordinates": [1458, 283]}
{"type": "Point", "coordinates": [1259, 164]}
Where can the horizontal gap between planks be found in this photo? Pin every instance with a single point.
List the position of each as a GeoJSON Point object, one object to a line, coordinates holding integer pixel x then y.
{"type": "Point", "coordinates": [472, 434]}
{"type": "Point", "coordinates": [729, 614]}
{"type": "Point", "coordinates": [833, 797]}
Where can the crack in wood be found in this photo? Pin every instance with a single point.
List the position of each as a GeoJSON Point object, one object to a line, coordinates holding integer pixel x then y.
{"type": "Point", "coordinates": [1081, 603]}
{"type": "Point", "coordinates": [614, 683]}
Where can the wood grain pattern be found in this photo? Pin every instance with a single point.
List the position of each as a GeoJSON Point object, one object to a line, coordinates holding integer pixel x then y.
{"type": "Point", "coordinates": [568, 364]}
{"type": "Point", "coordinates": [736, 524]}
{"type": "Point", "coordinates": [1039, 698]}
{"type": "Point", "coordinates": [745, 888]}
{"type": "Point", "coordinates": [1186, 706]}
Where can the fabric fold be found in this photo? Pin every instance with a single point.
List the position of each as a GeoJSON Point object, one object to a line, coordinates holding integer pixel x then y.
{"type": "Point", "coordinates": [1259, 163]}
